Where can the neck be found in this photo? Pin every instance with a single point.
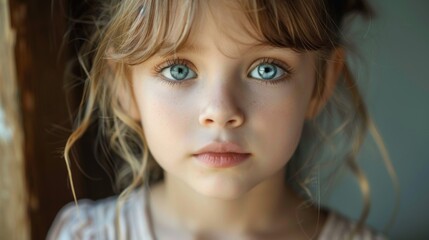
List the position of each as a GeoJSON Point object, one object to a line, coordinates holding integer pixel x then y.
{"type": "Point", "coordinates": [269, 202]}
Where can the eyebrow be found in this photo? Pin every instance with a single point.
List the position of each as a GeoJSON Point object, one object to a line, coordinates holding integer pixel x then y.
{"type": "Point", "coordinates": [169, 49]}
{"type": "Point", "coordinates": [198, 48]}
{"type": "Point", "coordinates": [190, 48]}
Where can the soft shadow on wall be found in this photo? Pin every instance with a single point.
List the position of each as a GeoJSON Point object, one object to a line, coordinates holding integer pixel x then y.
{"type": "Point", "coordinates": [394, 47]}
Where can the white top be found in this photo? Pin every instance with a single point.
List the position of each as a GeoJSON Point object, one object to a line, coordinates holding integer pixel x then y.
{"type": "Point", "coordinates": [95, 220]}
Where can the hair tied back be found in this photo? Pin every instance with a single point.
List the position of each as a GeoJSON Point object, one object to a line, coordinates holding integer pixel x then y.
{"type": "Point", "coordinates": [341, 8]}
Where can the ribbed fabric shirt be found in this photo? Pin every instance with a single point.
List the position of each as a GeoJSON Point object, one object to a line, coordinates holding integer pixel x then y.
{"type": "Point", "coordinates": [95, 220]}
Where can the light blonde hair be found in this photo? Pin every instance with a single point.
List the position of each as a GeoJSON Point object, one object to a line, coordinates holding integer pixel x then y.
{"type": "Point", "coordinates": [129, 32]}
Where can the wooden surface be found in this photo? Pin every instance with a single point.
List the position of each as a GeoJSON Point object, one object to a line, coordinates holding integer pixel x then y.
{"type": "Point", "coordinates": [40, 57]}
{"type": "Point", "coordinates": [13, 189]}
{"type": "Point", "coordinates": [34, 120]}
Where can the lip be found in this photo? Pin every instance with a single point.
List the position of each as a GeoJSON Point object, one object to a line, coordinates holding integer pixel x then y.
{"type": "Point", "coordinates": [221, 155]}
{"type": "Point", "coordinates": [222, 147]}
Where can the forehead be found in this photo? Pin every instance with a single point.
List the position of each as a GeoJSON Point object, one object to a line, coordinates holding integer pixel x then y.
{"type": "Point", "coordinates": [224, 24]}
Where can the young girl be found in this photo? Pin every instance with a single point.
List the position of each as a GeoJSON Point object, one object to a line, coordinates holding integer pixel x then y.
{"type": "Point", "coordinates": [222, 114]}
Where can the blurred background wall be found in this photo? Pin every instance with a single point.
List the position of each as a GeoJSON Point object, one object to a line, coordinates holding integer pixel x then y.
{"type": "Point", "coordinates": [395, 48]}
{"type": "Point", "coordinates": [41, 49]}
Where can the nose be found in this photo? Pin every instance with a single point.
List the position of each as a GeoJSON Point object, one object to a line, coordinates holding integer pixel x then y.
{"type": "Point", "coordinates": [221, 108]}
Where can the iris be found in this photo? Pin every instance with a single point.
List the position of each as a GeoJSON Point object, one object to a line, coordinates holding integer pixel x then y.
{"type": "Point", "coordinates": [179, 71]}
{"type": "Point", "coordinates": [267, 71]}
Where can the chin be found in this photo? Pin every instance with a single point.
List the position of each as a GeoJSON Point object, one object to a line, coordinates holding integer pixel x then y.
{"type": "Point", "coordinates": [222, 188]}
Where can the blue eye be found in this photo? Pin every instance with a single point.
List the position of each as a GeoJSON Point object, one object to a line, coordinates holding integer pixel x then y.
{"type": "Point", "coordinates": [178, 72]}
{"type": "Point", "coordinates": [267, 71]}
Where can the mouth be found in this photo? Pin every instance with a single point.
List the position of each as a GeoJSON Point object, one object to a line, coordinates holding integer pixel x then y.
{"type": "Point", "coordinates": [222, 160]}
{"type": "Point", "coordinates": [222, 155]}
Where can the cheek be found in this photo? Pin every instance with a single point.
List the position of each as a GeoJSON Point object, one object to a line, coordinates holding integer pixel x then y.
{"type": "Point", "coordinates": [278, 130]}
{"type": "Point", "coordinates": [165, 122]}
{"type": "Point", "coordinates": [278, 121]}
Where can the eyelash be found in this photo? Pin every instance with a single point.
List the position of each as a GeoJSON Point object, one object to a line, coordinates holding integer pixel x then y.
{"type": "Point", "coordinates": [180, 61]}
{"type": "Point", "coordinates": [168, 63]}
{"type": "Point", "coordinates": [286, 68]}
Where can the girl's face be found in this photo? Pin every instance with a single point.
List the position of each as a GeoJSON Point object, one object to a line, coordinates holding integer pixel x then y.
{"type": "Point", "coordinates": [222, 87]}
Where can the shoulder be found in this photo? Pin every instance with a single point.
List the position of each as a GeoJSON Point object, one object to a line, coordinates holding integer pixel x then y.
{"type": "Point", "coordinates": [96, 219]}
{"type": "Point", "coordinates": [338, 226]}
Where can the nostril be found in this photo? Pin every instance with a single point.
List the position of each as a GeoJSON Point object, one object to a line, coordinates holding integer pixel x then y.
{"type": "Point", "coordinates": [221, 120]}
{"type": "Point", "coordinates": [231, 122]}
{"type": "Point", "coordinates": [209, 121]}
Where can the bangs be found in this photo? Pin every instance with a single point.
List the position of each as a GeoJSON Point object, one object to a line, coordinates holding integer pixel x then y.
{"type": "Point", "coordinates": [296, 24]}
{"type": "Point", "coordinates": [153, 27]}
{"type": "Point", "coordinates": [163, 27]}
